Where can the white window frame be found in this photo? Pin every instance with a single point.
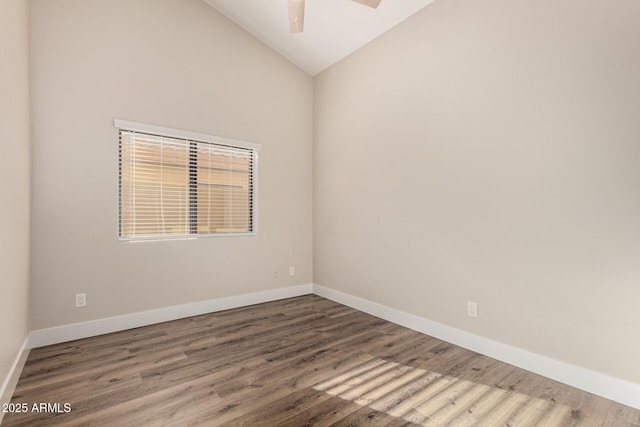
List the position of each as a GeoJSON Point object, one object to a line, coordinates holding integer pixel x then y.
{"type": "Point", "coordinates": [127, 125]}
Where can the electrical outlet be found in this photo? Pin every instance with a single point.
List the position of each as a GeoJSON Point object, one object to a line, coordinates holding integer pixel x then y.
{"type": "Point", "coordinates": [472, 309]}
{"type": "Point", "coordinates": [292, 272]}
{"type": "Point", "coordinates": [81, 300]}
{"type": "Point", "coordinates": [275, 274]}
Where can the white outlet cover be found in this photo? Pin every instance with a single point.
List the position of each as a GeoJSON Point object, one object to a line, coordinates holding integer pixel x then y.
{"type": "Point", "coordinates": [81, 300]}
{"type": "Point", "coordinates": [472, 309]}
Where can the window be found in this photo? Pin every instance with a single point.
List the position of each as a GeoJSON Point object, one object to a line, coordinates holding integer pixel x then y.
{"type": "Point", "coordinates": [177, 184]}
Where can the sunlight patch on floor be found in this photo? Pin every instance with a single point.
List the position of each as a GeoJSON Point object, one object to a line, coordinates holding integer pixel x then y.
{"type": "Point", "coordinates": [427, 398]}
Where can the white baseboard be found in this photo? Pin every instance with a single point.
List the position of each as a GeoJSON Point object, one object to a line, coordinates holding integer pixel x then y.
{"type": "Point", "coordinates": [74, 331]}
{"type": "Point", "coordinates": [10, 382]}
{"type": "Point", "coordinates": [609, 387]}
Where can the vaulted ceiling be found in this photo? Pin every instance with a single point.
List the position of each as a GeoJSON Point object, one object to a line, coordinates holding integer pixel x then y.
{"type": "Point", "coordinates": [333, 29]}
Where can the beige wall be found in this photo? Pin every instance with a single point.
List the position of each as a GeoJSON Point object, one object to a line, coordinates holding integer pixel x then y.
{"type": "Point", "coordinates": [14, 180]}
{"type": "Point", "coordinates": [490, 151]}
{"type": "Point", "coordinates": [173, 63]}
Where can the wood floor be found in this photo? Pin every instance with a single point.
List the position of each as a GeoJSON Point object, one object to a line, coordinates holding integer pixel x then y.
{"type": "Point", "coordinates": [302, 361]}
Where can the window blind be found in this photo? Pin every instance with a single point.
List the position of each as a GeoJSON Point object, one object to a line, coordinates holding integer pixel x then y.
{"type": "Point", "coordinates": [173, 187]}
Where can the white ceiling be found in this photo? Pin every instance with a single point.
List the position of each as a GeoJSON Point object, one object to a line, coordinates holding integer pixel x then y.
{"type": "Point", "coordinates": [333, 29]}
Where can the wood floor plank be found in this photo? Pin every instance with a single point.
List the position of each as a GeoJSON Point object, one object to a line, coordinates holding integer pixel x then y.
{"type": "Point", "coordinates": [297, 362]}
{"type": "Point", "coordinates": [324, 414]}
{"type": "Point", "coordinates": [100, 370]}
{"type": "Point", "coordinates": [276, 412]}
{"type": "Point", "coordinates": [370, 417]}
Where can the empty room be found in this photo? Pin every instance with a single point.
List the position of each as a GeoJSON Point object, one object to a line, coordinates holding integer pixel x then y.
{"type": "Point", "coordinates": [320, 212]}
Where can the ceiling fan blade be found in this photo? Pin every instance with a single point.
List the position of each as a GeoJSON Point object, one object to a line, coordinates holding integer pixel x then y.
{"type": "Point", "coordinates": [370, 3]}
{"type": "Point", "coordinates": [296, 15]}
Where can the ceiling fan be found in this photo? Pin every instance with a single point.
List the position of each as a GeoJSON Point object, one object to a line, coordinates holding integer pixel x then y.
{"type": "Point", "coordinates": [296, 12]}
